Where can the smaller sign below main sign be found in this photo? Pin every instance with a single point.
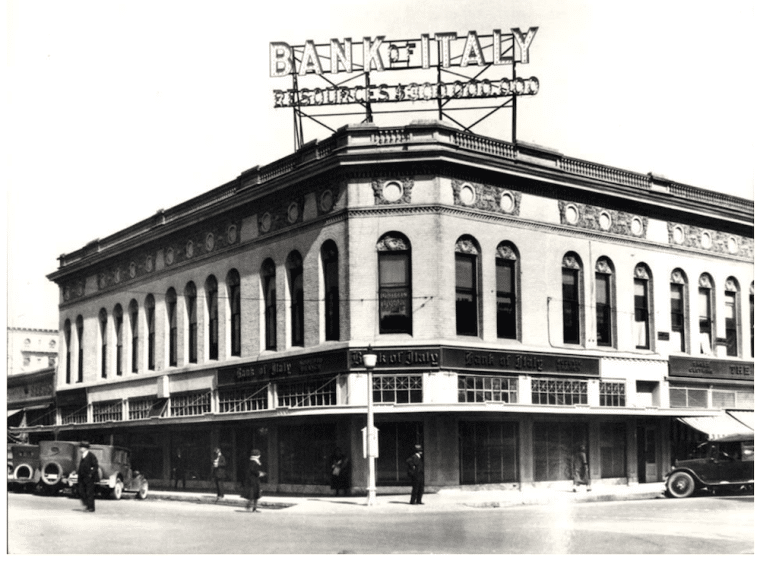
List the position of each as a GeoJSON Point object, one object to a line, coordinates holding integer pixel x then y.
{"type": "Point", "coordinates": [709, 368]}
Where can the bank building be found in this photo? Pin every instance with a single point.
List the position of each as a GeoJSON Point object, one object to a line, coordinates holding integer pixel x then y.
{"type": "Point", "coordinates": [520, 303]}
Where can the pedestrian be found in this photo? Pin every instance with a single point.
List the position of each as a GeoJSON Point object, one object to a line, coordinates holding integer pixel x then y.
{"type": "Point", "coordinates": [580, 469]}
{"type": "Point", "coordinates": [339, 472]}
{"type": "Point", "coordinates": [179, 470]}
{"type": "Point", "coordinates": [87, 476]}
{"type": "Point", "coordinates": [219, 472]}
{"type": "Point", "coordinates": [252, 485]}
{"type": "Point", "coordinates": [415, 468]}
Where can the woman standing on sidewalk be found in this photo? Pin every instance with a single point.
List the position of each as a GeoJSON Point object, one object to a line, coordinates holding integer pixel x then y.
{"type": "Point", "coordinates": [252, 488]}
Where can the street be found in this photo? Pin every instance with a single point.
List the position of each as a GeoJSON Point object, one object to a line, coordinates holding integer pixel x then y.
{"type": "Point", "coordinates": [718, 525]}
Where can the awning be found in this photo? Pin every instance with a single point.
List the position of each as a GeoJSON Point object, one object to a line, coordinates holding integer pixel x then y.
{"type": "Point", "coordinates": [12, 412]}
{"type": "Point", "coordinates": [745, 417]}
{"type": "Point", "coordinates": [716, 426]}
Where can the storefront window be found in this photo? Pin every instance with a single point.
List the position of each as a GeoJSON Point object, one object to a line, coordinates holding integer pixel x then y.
{"type": "Point", "coordinates": [396, 444]}
{"type": "Point", "coordinates": [479, 389]}
{"type": "Point", "coordinates": [612, 447]}
{"type": "Point", "coordinates": [554, 391]}
{"type": "Point", "coordinates": [307, 393]}
{"type": "Point", "coordinates": [253, 398]}
{"type": "Point", "coordinates": [488, 452]}
{"type": "Point", "coordinates": [305, 454]}
{"type": "Point", "coordinates": [554, 444]}
{"type": "Point", "coordinates": [397, 389]}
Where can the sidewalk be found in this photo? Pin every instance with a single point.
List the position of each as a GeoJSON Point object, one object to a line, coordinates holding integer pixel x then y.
{"type": "Point", "coordinates": [441, 500]}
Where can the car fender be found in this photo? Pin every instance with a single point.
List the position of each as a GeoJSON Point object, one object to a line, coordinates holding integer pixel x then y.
{"type": "Point", "coordinates": [697, 480]}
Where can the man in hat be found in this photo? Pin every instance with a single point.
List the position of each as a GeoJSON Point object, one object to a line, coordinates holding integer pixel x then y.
{"type": "Point", "coordinates": [87, 475]}
{"type": "Point", "coordinates": [580, 469]}
{"type": "Point", "coordinates": [415, 468]}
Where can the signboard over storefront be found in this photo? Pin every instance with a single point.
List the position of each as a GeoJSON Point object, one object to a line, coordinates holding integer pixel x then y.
{"type": "Point", "coordinates": [688, 367]}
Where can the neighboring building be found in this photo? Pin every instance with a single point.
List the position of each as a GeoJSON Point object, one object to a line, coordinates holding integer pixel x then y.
{"type": "Point", "coordinates": [521, 302]}
{"type": "Point", "coordinates": [31, 349]}
{"type": "Point", "coordinates": [31, 402]}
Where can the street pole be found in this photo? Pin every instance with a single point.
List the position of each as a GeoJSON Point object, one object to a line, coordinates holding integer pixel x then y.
{"type": "Point", "coordinates": [370, 360]}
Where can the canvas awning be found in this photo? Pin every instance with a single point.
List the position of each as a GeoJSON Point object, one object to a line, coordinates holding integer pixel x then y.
{"type": "Point", "coordinates": [717, 425]}
{"type": "Point", "coordinates": [12, 412]}
{"type": "Point", "coordinates": [745, 417]}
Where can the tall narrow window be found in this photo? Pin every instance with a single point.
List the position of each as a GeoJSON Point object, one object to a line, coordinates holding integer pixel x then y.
{"type": "Point", "coordinates": [212, 300]}
{"type": "Point", "coordinates": [678, 311]}
{"type": "Point", "coordinates": [269, 285]}
{"type": "Point", "coordinates": [732, 346]}
{"type": "Point", "coordinates": [603, 285]}
{"type": "Point", "coordinates": [467, 294]}
{"type": "Point", "coordinates": [752, 319]}
{"type": "Point", "coordinates": [233, 291]}
{"type": "Point", "coordinates": [135, 334]}
{"type": "Point", "coordinates": [150, 316]}
{"type": "Point", "coordinates": [80, 349]}
{"type": "Point", "coordinates": [394, 253]}
{"type": "Point", "coordinates": [103, 318]}
{"type": "Point", "coordinates": [332, 302]}
{"type": "Point", "coordinates": [118, 323]}
{"type": "Point", "coordinates": [641, 313]}
{"type": "Point", "coordinates": [295, 274]}
{"type": "Point", "coordinates": [571, 299]}
{"type": "Point", "coordinates": [67, 337]}
{"type": "Point", "coordinates": [191, 304]}
{"type": "Point", "coordinates": [171, 316]}
{"type": "Point", "coordinates": [506, 291]}
{"type": "Point", "coordinates": [705, 315]}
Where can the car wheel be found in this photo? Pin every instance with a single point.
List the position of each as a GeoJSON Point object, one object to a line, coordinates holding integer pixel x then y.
{"type": "Point", "coordinates": [681, 485]}
{"type": "Point", "coordinates": [118, 489]}
{"type": "Point", "coordinates": [142, 492]}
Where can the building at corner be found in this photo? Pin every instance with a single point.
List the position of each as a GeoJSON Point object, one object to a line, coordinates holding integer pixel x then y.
{"type": "Point", "coordinates": [521, 303]}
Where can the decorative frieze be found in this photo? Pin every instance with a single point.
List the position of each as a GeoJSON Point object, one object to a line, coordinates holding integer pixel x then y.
{"type": "Point", "coordinates": [710, 240]}
{"type": "Point", "coordinates": [486, 197]}
{"type": "Point", "coordinates": [603, 220]}
{"type": "Point", "coordinates": [393, 191]}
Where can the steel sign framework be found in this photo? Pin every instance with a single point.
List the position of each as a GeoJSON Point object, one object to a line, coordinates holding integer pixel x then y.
{"type": "Point", "coordinates": [473, 73]}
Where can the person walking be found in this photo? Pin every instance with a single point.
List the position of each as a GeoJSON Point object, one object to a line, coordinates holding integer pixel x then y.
{"type": "Point", "coordinates": [252, 485]}
{"type": "Point", "coordinates": [179, 470]}
{"type": "Point", "coordinates": [580, 469]}
{"type": "Point", "coordinates": [87, 476]}
{"type": "Point", "coordinates": [415, 468]}
{"type": "Point", "coordinates": [219, 472]}
{"type": "Point", "coordinates": [339, 472]}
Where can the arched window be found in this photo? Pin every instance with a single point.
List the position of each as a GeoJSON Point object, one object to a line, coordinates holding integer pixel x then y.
{"type": "Point", "coordinates": [118, 324]}
{"type": "Point", "coordinates": [67, 338]}
{"type": "Point", "coordinates": [191, 299]}
{"type": "Point", "coordinates": [572, 290]}
{"type": "Point", "coordinates": [678, 292]}
{"type": "Point", "coordinates": [506, 291]}
{"type": "Point", "coordinates": [212, 299]}
{"type": "Point", "coordinates": [150, 316]}
{"type": "Point", "coordinates": [332, 300]}
{"type": "Point", "coordinates": [233, 291]}
{"type": "Point", "coordinates": [467, 281]}
{"type": "Point", "coordinates": [732, 313]}
{"type": "Point", "coordinates": [604, 287]}
{"type": "Point", "coordinates": [80, 349]}
{"type": "Point", "coordinates": [269, 285]}
{"type": "Point", "coordinates": [135, 334]}
{"type": "Point", "coordinates": [295, 280]}
{"type": "Point", "coordinates": [171, 316]}
{"type": "Point", "coordinates": [706, 307]}
{"type": "Point", "coordinates": [394, 256]}
{"type": "Point", "coordinates": [752, 319]}
{"type": "Point", "coordinates": [642, 306]}
{"type": "Point", "coordinates": [103, 318]}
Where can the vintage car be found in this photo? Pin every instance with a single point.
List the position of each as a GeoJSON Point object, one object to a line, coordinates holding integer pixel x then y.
{"type": "Point", "coordinates": [115, 472]}
{"type": "Point", "coordinates": [58, 459]}
{"type": "Point", "coordinates": [23, 466]}
{"type": "Point", "coordinates": [723, 463]}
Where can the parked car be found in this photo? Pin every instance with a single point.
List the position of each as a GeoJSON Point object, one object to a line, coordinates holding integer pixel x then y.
{"type": "Point", "coordinates": [23, 466]}
{"type": "Point", "coordinates": [722, 463]}
{"type": "Point", "coordinates": [58, 458]}
{"type": "Point", "coordinates": [115, 473]}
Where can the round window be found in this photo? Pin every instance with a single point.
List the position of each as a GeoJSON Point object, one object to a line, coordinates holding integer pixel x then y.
{"type": "Point", "coordinates": [605, 221]}
{"type": "Point", "coordinates": [392, 192]}
{"type": "Point", "coordinates": [467, 195]}
{"type": "Point", "coordinates": [678, 234]}
{"type": "Point", "coordinates": [571, 214]}
{"type": "Point", "coordinates": [507, 202]}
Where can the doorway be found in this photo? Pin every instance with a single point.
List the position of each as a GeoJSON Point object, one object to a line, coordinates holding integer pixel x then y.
{"type": "Point", "coordinates": [646, 438]}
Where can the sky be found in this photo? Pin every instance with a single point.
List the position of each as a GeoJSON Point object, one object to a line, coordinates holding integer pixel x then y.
{"type": "Point", "coordinates": [116, 109]}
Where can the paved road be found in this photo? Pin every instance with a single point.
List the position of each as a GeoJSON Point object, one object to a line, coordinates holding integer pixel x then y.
{"type": "Point", "coordinates": [698, 525]}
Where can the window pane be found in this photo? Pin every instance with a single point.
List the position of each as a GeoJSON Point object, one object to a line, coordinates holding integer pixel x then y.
{"type": "Point", "coordinates": [464, 272]}
{"type": "Point", "coordinates": [393, 268]}
{"type": "Point", "coordinates": [504, 275]}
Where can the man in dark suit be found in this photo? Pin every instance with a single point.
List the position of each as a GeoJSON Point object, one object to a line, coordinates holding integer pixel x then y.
{"type": "Point", "coordinates": [88, 476]}
{"type": "Point", "coordinates": [415, 467]}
